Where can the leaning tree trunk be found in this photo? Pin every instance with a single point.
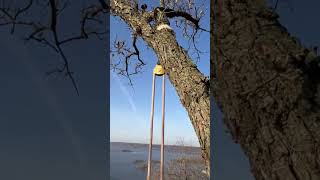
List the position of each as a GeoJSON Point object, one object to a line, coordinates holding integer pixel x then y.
{"type": "Point", "coordinates": [267, 90]}
{"type": "Point", "coordinates": [191, 85]}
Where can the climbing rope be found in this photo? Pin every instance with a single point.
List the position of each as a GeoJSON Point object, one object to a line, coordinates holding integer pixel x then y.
{"type": "Point", "coordinates": [157, 71]}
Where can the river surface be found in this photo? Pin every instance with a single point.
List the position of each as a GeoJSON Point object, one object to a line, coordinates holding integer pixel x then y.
{"type": "Point", "coordinates": [124, 155]}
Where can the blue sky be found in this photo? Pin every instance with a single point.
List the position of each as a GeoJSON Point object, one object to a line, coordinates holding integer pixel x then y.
{"type": "Point", "coordinates": [130, 107]}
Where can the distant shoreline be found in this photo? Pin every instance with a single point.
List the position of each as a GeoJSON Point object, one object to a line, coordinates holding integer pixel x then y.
{"type": "Point", "coordinates": [155, 145]}
{"type": "Point", "coordinates": [169, 148]}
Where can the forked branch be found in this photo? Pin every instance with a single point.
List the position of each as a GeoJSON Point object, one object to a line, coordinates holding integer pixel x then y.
{"type": "Point", "coordinates": [47, 33]}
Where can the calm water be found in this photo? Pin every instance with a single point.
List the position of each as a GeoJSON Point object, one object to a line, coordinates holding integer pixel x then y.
{"type": "Point", "coordinates": [122, 163]}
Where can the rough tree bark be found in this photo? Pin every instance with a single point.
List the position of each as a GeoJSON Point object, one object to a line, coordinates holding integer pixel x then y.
{"type": "Point", "coordinates": [191, 85]}
{"type": "Point", "coordinates": [268, 90]}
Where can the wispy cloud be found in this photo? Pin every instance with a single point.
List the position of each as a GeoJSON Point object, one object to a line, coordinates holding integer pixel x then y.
{"type": "Point", "coordinates": [125, 91]}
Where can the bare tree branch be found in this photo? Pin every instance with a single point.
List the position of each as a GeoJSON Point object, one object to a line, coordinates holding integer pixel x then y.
{"type": "Point", "coordinates": [92, 17]}
{"type": "Point", "coordinates": [48, 35]}
{"type": "Point", "coordinates": [54, 15]}
{"type": "Point", "coordinates": [189, 17]}
{"type": "Point", "coordinates": [127, 54]}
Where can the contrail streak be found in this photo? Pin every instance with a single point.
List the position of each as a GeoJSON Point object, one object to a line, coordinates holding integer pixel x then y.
{"type": "Point", "coordinates": [125, 91]}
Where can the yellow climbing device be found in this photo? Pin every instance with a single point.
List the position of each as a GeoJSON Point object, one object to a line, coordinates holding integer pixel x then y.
{"type": "Point", "coordinates": [158, 70]}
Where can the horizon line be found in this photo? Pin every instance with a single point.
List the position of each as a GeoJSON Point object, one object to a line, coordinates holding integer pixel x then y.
{"type": "Point", "coordinates": [152, 144]}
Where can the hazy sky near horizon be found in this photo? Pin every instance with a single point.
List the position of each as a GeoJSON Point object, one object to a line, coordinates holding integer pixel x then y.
{"type": "Point", "coordinates": [130, 108]}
